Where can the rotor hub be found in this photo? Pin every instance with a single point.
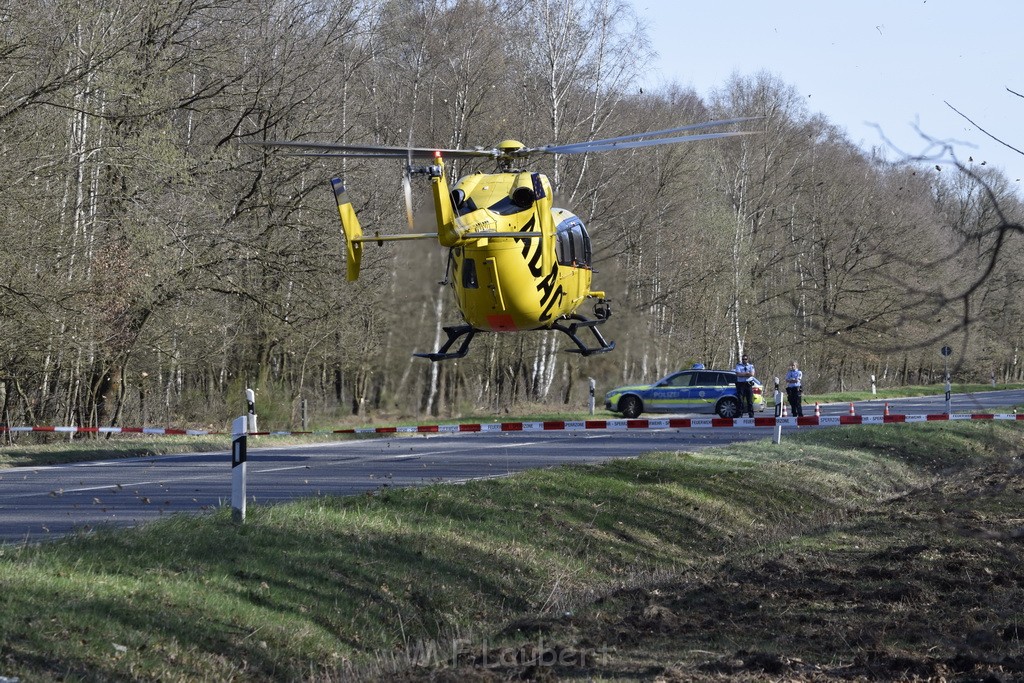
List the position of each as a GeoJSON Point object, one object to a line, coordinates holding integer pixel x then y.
{"type": "Point", "coordinates": [510, 146]}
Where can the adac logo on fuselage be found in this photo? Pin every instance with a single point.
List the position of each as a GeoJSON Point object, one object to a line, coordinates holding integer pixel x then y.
{"type": "Point", "coordinates": [551, 293]}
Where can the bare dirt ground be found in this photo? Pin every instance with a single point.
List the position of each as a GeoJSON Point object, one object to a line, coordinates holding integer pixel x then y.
{"type": "Point", "coordinates": [929, 587]}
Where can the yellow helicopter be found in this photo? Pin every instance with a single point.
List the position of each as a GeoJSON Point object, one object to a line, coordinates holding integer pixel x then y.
{"type": "Point", "coordinates": [515, 262]}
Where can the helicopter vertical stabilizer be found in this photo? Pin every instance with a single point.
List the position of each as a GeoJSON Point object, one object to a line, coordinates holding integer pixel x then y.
{"type": "Point", "coordinates": [448, 232]}
{"type": "Point", "coordinates": [350, 227]}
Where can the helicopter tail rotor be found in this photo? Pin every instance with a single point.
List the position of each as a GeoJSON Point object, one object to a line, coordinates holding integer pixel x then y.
{"type": "Point", "coordinates": [407, 190]}
{"type": "Point", "coordinates": [407, 187]}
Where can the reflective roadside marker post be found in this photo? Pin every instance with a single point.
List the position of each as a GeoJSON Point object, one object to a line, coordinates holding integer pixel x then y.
{"type": "Point", "coordinates": [946, 353]}
{"type": "Point", "coordinates": [250, 402]}
{"type": "Point", "coordinates": [873, 391]}
{"type": "Point", "coordinates": [593, 387]}
{"type": "Point", "coordinates": [238, 469]}
{"type": "Point", "coordinates": [949, 398]}
{"type": "Point", "coordinates": [778, 413]}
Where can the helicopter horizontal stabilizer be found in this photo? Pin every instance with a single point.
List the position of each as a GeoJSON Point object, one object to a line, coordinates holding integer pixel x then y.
{"type": "Point", "coordinates": [353, 231]}
{"type": "Point", "coordinates": [350, 228]}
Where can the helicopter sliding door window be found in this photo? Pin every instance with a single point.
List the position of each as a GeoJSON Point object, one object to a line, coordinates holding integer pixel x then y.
{"type": "Point", "coordinates": [573, 243]}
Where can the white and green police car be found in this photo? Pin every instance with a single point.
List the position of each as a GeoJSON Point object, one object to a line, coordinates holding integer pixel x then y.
{"type": "Point", "coordinates": [687, 391]}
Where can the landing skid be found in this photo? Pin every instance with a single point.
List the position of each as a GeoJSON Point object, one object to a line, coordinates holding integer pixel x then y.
{"type": "Point", "coordinates": [453, 335]}
{"type": "Point", "coordinates": [587, 323]}
{"type": "Point", "coordinates": [467, 332]}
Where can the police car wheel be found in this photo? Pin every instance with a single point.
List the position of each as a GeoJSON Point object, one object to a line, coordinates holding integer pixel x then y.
{"type": "Point", "coordinates": [728, 407]}
{"type": "Point", "coordinates": [630, 406]}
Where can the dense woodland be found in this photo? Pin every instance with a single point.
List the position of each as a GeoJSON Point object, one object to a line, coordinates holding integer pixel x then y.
{"type": "Point", "coordinates": [154, 265]}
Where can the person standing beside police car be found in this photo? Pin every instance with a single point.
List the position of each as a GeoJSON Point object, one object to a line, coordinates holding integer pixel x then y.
{"type": "Point", "coordinates": [795, 389]}
{"type": "Point", "coordinates": [744, 385]}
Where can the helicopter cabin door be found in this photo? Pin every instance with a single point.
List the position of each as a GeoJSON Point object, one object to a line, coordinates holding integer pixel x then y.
{"type": "Point", "coordinates": [573, 251]}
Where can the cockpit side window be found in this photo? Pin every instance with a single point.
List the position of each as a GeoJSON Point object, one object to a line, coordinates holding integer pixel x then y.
{"type": "Point", "coordinates": [573, 243]}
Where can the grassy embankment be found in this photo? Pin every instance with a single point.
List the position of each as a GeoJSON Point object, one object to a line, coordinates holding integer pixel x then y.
{"type": "Point", "coordinates": [888, 547]}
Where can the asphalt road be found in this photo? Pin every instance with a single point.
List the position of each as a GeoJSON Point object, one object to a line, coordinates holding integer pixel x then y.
{"type": "Point", "coordinates": [40, 503]}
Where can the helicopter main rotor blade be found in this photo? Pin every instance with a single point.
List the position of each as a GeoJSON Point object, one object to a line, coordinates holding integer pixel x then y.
{"type": "Point", "coordinates": [397, 237]}
{"type": "Point", "coordinates": [346, 155]}
{"type": "Point", "coordinates": [378, 151]}
{"type": "Point", "coordinates": [582, 149]}
{"type": "Point", "coordinates": [614, 143]}
{"type": "Point", "coordinates": [506, 153]}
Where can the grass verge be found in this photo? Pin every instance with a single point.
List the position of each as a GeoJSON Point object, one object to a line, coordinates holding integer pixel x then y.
{"type": "Point", "coordinates": [669, 565]}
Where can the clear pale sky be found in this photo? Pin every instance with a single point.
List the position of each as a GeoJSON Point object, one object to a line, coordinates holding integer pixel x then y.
{"type": "Point", "coordinates": [864, 63]}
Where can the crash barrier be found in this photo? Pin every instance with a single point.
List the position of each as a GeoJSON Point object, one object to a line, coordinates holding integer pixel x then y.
{"type": "Point", "coordinates": [562, 425]}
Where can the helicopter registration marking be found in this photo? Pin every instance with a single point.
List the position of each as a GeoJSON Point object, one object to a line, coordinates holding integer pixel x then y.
{"type": "Point", "coordinates": [475, 226]}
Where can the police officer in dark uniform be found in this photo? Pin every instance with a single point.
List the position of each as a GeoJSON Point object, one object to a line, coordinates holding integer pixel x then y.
{"type": "Point", "coordinates": [744, 386]}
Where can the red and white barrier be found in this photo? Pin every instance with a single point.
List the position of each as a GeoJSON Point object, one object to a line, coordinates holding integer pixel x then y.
{"type": "Point", "coordinates": [562, 425]}
{"type": "Point", "coordinates": [673, 423]}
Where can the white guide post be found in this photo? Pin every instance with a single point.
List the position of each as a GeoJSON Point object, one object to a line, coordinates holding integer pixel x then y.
{"type": "Point", "coordinates": [238, 469]}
